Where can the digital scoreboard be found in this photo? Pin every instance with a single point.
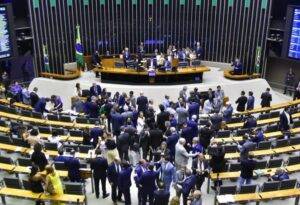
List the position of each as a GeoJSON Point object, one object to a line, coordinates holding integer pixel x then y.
{"type": "Point", "coordinates": [294, 42]}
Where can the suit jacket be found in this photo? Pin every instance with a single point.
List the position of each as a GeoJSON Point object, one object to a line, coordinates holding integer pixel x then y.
{"type": "Point", "coordinates": [216, 121]}
{"type": "Point", "coordinates": [181, 155]}
{"type": "Point", "coordinates": [194, 126]}
{"type": "Point", "coordinates": [171, 143]}
{"type": "Point", "coordinates": [250, 103]}
{"type": "Point", "coordinates": [217, 160]}
{"type": "Point", "coordinates": [124, 179]}
{"type": "Point", "coordinates": [241, 101]}
{"type": "Point", "coordinates": [187, 184]}
{"type": "Point", "coordinates": [266, 99]}
{"type": "Point", "coordinates": [161, 197]}
{"type": "Point", "coordinates": [284, 123]}
{"type": "Point", "coordinates": [95, 91]}
{"type": "Point", "coordinates": [99, 165]}
{"type": "Point", "coordinates": [40, 106]}
{"type": "Point", "coordinates": [92, 109]}
{"type": "Point", "coordinates": [227, 114]}
{"type": "Point", "coordinates": [247, 167]}
{"type": "Point", "coordinates": [34, 98]}
{"type": "Point", "coordinates": [117, 121]}
{"type": "Point", "coordinates": [123, 141]}
{"type": "Point", "coordinates": [73, 166]}
{"type": "Point", "coordinates": [182, 114]}
{"type": "Point", "coordinates": [205, 136]}
{"type": "Point", "coordinates": [193, 109]}
{"type": "Point", "coordinates": [113, 173]}
{"type": "Point", "coordinates": [250, 123]}
{"type": "Point", "coordinates": [156, 137]}
{"type": "Point", "coordinates": [187, 134]}
{"type": "Point", "coordinates": [168, 172]}
{"type": "Point", "coordinates": [148, 181]}
{"type": "Point", "coordinates": [195, 165]}
{"type": "Point", "coordinates": [162, 117]}
{"type": "Point", "coordinates": [142, 103]}
{"type": "Point", "coordinates": [95, 133]}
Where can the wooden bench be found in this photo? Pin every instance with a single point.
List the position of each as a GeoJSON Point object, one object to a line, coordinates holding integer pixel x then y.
{"type": "Point", "coordinates": [227, 74]}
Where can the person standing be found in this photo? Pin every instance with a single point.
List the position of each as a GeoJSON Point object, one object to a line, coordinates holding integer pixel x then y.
{"type": "Point", "coordinates": [187, 185]}
{"type": "Point", "coordinates": [113, 172]}
{"type": "Point", "coordinates": [247, 167]}
{"type": "Point", "coordinates": [285, 120]}
{"type": "Point", "coordinates": [266, 98]}
{"type": "Point", "coordinates": [124, 181]}
{"type": "Point", "coordinates": [167, 173]}
{"type": "Point", "coordinates": [99, 167]}
{"type": "Point", "coordinates": [53, 183]}
{"type": "Point", "coordinates": [34, 98]}
{"type": "Point", "coordinates": [241, 102]}
{"type": "Point", "coordinates": [139, 170]}
{"type": "Point", "coordinates": [200, 169]}
{"type": "Point", "coordinates": [123, 143]}
{"type": "Point", "coordinates": [142, 103]}
{"type": "Point", "coordinates": [250, 101]}
{"type": "Point", "coordinates": [289, 81]}
{"type": "Point", "coordinates": [73, 166]}
{"type": "Point", "coordinates": [161, 195]}
{"type": "Point", "coordinates": [181, 155]}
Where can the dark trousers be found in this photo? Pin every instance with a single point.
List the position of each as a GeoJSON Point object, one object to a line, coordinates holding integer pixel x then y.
{"type": "Point", "coordinates": [115, 193]}
{"type": "Point", "coordinates": [145, 196]}
{"type": "Point", "coordinates": [103, 184]}
{"type": "Point", "coordinates": [199, 181]}
{"type": "Point", "coordinates": [123, 154]}
{"type": "Point", "coordinates": [184, 199]}
{"type": "Point", "coordinates": [126, 193]}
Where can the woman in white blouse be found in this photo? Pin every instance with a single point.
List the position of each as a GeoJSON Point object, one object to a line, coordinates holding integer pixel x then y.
{"type": "Point", "coordinates": [78, 91]}
{"type": "Point", "coordinates": [140, 122]}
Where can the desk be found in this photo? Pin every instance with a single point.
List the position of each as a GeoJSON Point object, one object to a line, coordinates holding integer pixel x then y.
{"type": "Point", "coordinates": [126, 75]}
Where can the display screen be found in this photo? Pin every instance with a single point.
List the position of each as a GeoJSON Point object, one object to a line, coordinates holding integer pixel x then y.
{"type": "Point", "coordinates": [294, 46]}
{"type": "Point", "coordinates": [6, 45]}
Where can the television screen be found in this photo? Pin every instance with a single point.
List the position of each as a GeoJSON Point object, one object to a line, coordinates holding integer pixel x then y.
{"type": "Point", "coordinates": [294, 45]}
{"type": "Point", "coordinates": [6, 33]}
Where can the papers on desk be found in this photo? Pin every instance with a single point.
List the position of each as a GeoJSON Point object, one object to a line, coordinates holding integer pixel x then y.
{"type": "Point", "coordinates": [222, 199]}
{"type": "Point", "coordinates": [258, 172]}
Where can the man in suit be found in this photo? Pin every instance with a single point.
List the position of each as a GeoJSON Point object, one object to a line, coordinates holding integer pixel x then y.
{"type": "Point", "coordinates": [199, 51]}
{"type": "Point", "coordinates": [162, 117]}
{"type": "Point", "coordinates": [216, 121]}
{"type": "Point", "coordinates": [148, 184]}
{"type": "Point", "coordinates": [246, 146]}
{"type": "Point", "coordinates": [113, 172]}
{"type": "Point", "coordinates": [142, 102]}
{"type": "Point", "coordinates": [237, 67]}
{"type": "Point", "coordinates": [182, 114]}
{"type": "Point", "coordinates": [139, 170]}
{"type": "Point", "coordinates": [241, 102]}
{"type": "Point", "coordinates": [92, 108]}
{"type": "Point", "coordinates": [123, 143]}
{"type": "Point", "coordinates": [250, 101]}
{"type": "Point", "coordinates": [193, 109]}
{"type": "Point", "coordinates": [161, 195]}
{"type": "Point", "coordinates": [73, 166]}
{"type": "Point", "coordinates": [95, 90]}
{"type": "Point", "coordinates": [167, 172]}
{"type": "Point", "coordinates": [124, 181]}
{"type": "Point", "coordinates": [205, 134]}
{"type": "Point", "coordinates": [34, 98]}
{"type": "Point", "coordinates": [40, 106]}
{"type": "Point", "coordinates": [95, 133]}
{"type": "Point", "coordinates": [197, 200]}
{"type": "Point", "coordinates": [141, 51]}
{"type": "Point", "coordinates": [285, 120]}
{"type": "Point", "coordinates": [181, 155]}
{"type": "Point", "coordinates": [250, 122]}
{"type": "Point", "coordinates": [200, 169]}
{"type": "Point", "coordinates": [266, 98]}
{"type": "Point", "coordinates": [227, 113]}
{"type": "Point", "coordinates": [155, 138]}
{"type": "Point", "coordinates": [99, 167]}
{"type": "Point", "coordinates": [187, 185]}
{"type": "Point", "coordinates": [172, 141]}
{"type": "Point", "coordinates": [117, 120]}
{"type": "Point", "coordinates": [279, 175]}
{"type": "Point", "coordinates": [187, 134]}
{"type": "Point", "coordinates": [247, 167]}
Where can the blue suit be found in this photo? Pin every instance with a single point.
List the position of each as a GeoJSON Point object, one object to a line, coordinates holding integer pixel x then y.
{"type": "Point", "coordinates": [168, 174]}
{"type": "Point", "coordinates": [139, 170]}
{"type": "Point", "coordinates": [194, 126]}
{"type": "Point", "coordinates": [171, 143]}
{"type": "Point", "coordinates": [40, 106]}
{"type": "Point", "coordinates": [99, 166]}
{"type": "Point", "coordinates": [147, 181]}
{"type": "Point", "coordinates": [161, 197]}
{"type": "Point", "coordinates": [250, 123]}
{"type": "Point", "coordinates": [124, 183]}
{"type": "Point", "coordinates": [227, 114]}
{"type": "Point", "coordinates": [92, 110]}
{"type": "Point", "coordinates": [117, 121]}
{"type": "Point", "coordinates": [95, 91]}
{"type": "Point", "coordinates": [199, 52]}
{"type": "Point", "coordinates": [237, 68]}
{"type": "Point", "coordinates": [280, 177]}
{"type": "Point", "coordinates": [95, 133]}
{"type": "Point", "coordinates": [194, 109]}
{"type": "Point", "coordinates": [250, 103]}
{"type": "Point", "coordinates": [73, 166]}
{"type": "Point", "coordinates": [113, 178]}
{"type": "Point", "coordinates": [187, 185]}
{"type": "Point", "coordinates": [173, 122]}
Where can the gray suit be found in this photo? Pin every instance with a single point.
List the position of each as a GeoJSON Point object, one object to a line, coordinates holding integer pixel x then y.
{"type": "Point", "coordinates": [182, 114]}
{"type": "Point", "coordinates": [181, 156]}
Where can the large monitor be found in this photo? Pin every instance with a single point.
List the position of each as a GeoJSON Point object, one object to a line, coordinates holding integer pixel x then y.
{"type": "Point", "coordinates": [7, 35]}
{"type": "Point", "coordinates": [294, 40]}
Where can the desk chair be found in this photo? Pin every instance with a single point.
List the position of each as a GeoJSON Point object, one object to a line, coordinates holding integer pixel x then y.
{"type": "Point", "coordinates": [65, 118]}
{"type": "Point", "coordinates": [227, 189]}
{"type": "Point", "coordinates": [74, 188]}
{"type": "Point", "coordinates": [76, 133]}
{"type": "Point", "coordinates": [24, 162]}
{"type": "Point", "coordinates": [241, 132]}
{"type": "Point", "coordinates": [52, 117]}
{"type": "Point", "coordinates": [274, 114]}
{"type": "Point", "coordinates": [261, 164]}
{"type": "Point", "coordinates": [223, 133]}
{"type": "Point", "coordinates": [5, 139]}
{"type": "Point", "coordinates": [230, 148]}
{"type": "Point", "coordinates": [273, 163]}
{"type": "Point", "coordinates": [50, 146]}
{"type": "Point", "coordinates": [60, 166]}
{"type": "Point", "coordinates": [288, 184]}
{"type": "Point", "coordinates": [248, 189]}
{"type": "Point", "coordinates": [85, 148]}
{"type": "Point", "coordinates": [295, 141]}
{"type": "Point", "coordinates": [282, 143]}
{"type": "Point", "coordinates": [6, 160]}
{"type": "Point", "coordinates": [44, 129]}
{"type": "Point", "coordinates": [271, 128]}
{"type": "Point", "coordinates": [3, 108]}
{"type": "Point", "coordinates": [26, 113]}
{"type": "Point", "coordinates": [12, 182]}
{"type": "Point", "coordinates": [264, 145]}
{"type": "Point", "coordinates": [264, 116]}
{"type": "Point", "coordinates": [37, 115]}
{"type": "Point", "coordinates": [293, 160]}
{"type": "Point", "coordinates": [236, 120]}
{"type": "Point", "coordinates": [296, 124]}
{"type": "Point", "coordinates": [20, 142]}
{"type": "Point", "coordinates": [234, 167]}
{"type": "Point", "coordinates": [26, 185]}
{"type": "Point", "coordinates": [3, 123]}
{"type": "Point", "coordinates": [82, 120]}
{"type": "Point", "coordinates": [270, 186]}
{"type": "Point", "coordinates": [12, 110]}
{"type": "Point", "coordinates": [59, 131]}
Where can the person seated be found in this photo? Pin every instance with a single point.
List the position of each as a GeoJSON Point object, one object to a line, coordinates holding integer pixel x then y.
{"type": "Point", "coordinates": [167, 65]}
{"type": "Point", "coordinates": [250, 122]}
{"type": "Point", "coordinates": [61, 157]}
{"type": "Point", "coordinates": [141, 51]}
{"type": "Point", "coordinates": [160, 60]}
{"type": "Point", "coordinates": [279, 175]}
{"type": "Point", "coordinates": [26, 95]}
{"type": "Point", "coordinates": [237, 67]}
{"type": "Point", "coordinates": [95, 90]}
{"type": "Point", "coordinates": [126, 56]}
{"type": "Point", "coordinates": [16, 91]}
{"type": "Point", "coordinates": [40, 106]}
{"type": "Point", "coordinates": [259, 136]}
{"type": "Point", "coordinates": [182, 55]}
{"type": "Point", "coordinates": [55, 138]}
{"type": "Point", "coordinates": [57, 102]}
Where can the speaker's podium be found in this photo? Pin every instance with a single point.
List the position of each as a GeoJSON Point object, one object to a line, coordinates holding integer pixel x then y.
{"type": "Point", "coordinates": [151, 74]}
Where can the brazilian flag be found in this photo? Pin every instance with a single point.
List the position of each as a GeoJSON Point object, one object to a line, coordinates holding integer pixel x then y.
{"type": "Point", "coordinates": [79, 49]}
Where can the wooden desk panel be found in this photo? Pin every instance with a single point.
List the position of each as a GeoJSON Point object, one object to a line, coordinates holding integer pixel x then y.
{"type": "Point", "coordinates": [20, 193]}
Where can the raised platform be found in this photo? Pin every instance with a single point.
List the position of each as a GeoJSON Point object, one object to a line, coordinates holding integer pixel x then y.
{"type": "Point", "coordinates": [229, 75]}
{"type": "Point", "coordinates": [211, 79]}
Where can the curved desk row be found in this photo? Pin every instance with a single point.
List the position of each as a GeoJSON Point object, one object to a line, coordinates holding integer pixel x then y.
{"type": "Point", "coordinates": [229, 75]}
{"type": "Point", "coordinates": [69, 76]}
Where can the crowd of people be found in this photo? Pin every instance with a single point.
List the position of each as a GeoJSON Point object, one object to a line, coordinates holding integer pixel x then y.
{"type": "Point", "coordinates": [131, 138]}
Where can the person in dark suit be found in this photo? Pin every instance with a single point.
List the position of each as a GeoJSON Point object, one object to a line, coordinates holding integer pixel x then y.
{"type": "Point", "coordinates": [142, 103]}
{"type": "Point", "coordinates": [34, 98]}
{"type": "Point", "coordinates": [123, 143]}
{"type": "Point", "coordinates": [205, 134]}
{"type": "Point", "coordinates": [216, 121]}
{"type": "Point", "coordinates": [285, 120]}
{"type": "Point", "coordinates": [200, 169]}
{"type": "Point", "coordinates": [188, 183]}
{"type": "Point", "coordinates": [237, 67]}
{"type": "Point", "coordinates": [161, 196]}
{"type": "Point", "coordinates": [148, 184]}
{"type": "Point", "coordinates": [199, 51]}
{"type": "Point", "coordinates": [247, 167]}
{"type": "Point", "coordinates": [241, 101]}
{"type": "Point", "coordinates": [73, 166]}
{"type": "Point", "coordinates": [139, 170]}
{"type": "Point", "coordinates": [193, 124]}
{"type": "Point", "coordinates": [38, 158]}
{"type": "Point", "coordinates": [96, 58]}
{"type": "Point", "coordinates": [187, 134]}
{"type": "Point", "coordinates": [141, 51]}
{"type": "Point", "coordinates": [279, 175]}
{"type": "Point", "coordinates": [92, 108]}
{"type": "Point", "coordinates": [172, 141]}
{"type": "Point", "coordinates": [266, 98]}
{"type": "Point", "coordinates": [117, 120]}
{"type": "Point", "coordinates": [250, 122]}
{"type": "Point", "coordinates": [95, 133]}
{"type": "Point", "coordinates": [113, 172]}
{"type": "Point", "coordinates": [162, 117]}
{"type": "Point", "coordinates": [250, 101]}
{"type": "Point", "coordinates": [217, 161]}
{"type": "Point", "coordinates": [40, 106]}
{"type": "Point", "coordinates": [99, 167]}
{"type": "Point", "coordinates": [95, 90]}
{"type": "Point", "coordinates": [124, 181]}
